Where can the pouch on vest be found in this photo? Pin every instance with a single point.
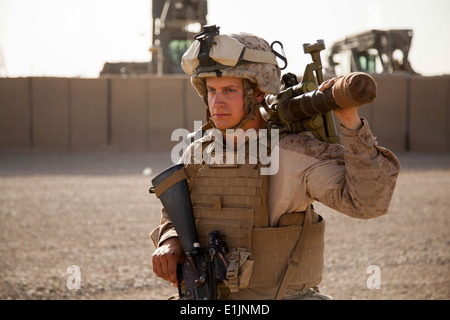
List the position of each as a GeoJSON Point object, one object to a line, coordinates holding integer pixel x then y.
{"type": "Point", "coordinates": [240, 268]}
{"type": "Point", "coordinates": [272, 248]}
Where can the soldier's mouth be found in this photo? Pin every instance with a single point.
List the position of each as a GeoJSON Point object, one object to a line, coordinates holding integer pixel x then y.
{"type": "Point", "coordinates": [221, 115]}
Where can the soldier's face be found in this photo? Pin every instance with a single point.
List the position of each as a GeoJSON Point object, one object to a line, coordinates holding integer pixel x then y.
{"type": "Point", "coordinates": [225, 101]}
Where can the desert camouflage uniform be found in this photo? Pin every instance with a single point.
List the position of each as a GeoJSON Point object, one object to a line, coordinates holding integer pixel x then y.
{"type": "Point", "coordinates": [357, 178]}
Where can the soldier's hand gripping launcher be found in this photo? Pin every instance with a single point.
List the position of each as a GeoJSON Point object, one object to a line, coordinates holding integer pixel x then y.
{"type": "Point", "coordinates": [301, 107]}
{"type": "Point", "coordinates": [197, 275]}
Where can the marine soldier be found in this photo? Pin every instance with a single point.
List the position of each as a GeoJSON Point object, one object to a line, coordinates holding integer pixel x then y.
{"type": "Point", "coordinates": [266, 218]}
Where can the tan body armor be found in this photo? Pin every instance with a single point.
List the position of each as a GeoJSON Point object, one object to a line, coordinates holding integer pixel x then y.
{"type": "Point", "coordinates": [233, 200]}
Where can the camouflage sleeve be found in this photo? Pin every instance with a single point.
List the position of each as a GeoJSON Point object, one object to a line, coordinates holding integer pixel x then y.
{"type": "Point", "coordinates": [364, 184]}
{"type": "Point", "coordinates": [164, 231]}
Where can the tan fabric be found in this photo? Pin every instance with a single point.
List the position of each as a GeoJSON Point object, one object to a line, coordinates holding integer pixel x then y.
{"type": "Point", "coordinates": [272, 248]}
{"type": "Point", "coordinates": [227, 51]}
{"type": "Point", "coordinates": [292, 268]}
{"type": "Point", "coordinates": [232, 200]}
{"type": "Point", "coordinates": [240, 269]}
{"type": "Point", "coordinates": [357, 178]}
{"type": "Point", "coordinates": [354, 90]}
{"type": "Point", "coordinates": [189, 61]}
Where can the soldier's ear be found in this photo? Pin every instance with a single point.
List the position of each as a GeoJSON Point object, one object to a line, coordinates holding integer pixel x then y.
{"type": "Point", "coordinates": [259, 95]}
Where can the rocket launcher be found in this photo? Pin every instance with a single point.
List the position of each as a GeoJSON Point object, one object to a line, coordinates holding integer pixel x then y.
{"type": "Point", "coordinates": [301, 107]}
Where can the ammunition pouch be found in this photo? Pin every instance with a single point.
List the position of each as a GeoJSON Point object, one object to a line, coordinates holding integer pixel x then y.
{"type": "Point", "coordinates": [273, 247]}
{"type": "Point", "coordinates": [240, 269]}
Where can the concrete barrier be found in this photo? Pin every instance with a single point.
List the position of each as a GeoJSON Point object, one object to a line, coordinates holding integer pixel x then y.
{"type": "Point", "coordinates": [140, 113]}
{"type": "Point", "coordinates": [389, 112]}
{"type": "Point", "coordinates": [50, 114]}
{"type": "Point", "coordinates": [429, 114]}
{"type": "Point", "coordinates": [195, 107]}
{"type": "Point", "coordinates": [15, 114]}
{"type": "Point", "coordinates": [166, 110]}
{"type": "Point", "coordinates": [128, 114]}
{"type": "Point", "coordinates": [88, 114]}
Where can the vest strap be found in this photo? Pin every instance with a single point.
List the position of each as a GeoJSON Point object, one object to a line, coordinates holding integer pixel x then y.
{"type": "Point", "coordinates": [233, 272]}
{"type": "Point", "coordinates": [296, 255]}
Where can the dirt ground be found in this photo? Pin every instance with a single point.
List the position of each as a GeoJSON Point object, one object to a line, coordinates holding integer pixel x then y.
{"type": "Point", "coordinates": [89, 215]}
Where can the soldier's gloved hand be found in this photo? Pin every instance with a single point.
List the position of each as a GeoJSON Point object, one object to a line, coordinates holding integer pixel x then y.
{"type": "Point", "coordinates": [166, 258]}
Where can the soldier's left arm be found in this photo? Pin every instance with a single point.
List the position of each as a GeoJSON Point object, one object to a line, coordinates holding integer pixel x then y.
{"type": "Point", "coordinates": [364, 185]}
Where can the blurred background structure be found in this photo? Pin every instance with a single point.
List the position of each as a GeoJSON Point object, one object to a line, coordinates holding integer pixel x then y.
{"type": "Point", "coordinates": [105, 75]}
{"type": "Point", "coordinates": [174, 24]}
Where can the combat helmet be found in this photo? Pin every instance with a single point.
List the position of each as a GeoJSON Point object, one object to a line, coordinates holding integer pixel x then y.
{"type": "Point", "coordinates": [241, 55]}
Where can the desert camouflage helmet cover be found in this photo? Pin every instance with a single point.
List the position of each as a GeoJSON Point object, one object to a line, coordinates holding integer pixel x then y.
{"type": "Point", "coordinates": [241, 55]}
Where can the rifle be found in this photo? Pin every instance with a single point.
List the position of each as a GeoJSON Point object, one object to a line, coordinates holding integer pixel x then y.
{"type": "Point", "coordinates": [197, 276]}
{"type": "Point", "coordinates": [301, 107]}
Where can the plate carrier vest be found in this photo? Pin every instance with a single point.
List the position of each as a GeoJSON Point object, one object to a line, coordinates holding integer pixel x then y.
{"type": "Point", "coordinates": [233, 200]}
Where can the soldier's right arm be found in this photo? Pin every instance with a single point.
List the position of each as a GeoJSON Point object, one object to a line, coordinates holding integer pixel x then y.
{"type": "Point", "coordinates": [164, 231]}
{"type": "Point", "coordinates": [168, 251]}
{"type": "Point", "coordinates": [166, 258]}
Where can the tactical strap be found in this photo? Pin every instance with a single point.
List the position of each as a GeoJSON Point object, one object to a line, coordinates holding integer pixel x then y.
{"type": "Point", "coordinates": [354, 90]}
{"type": "Point", "coordinates": [233, 272]}
{"type": "Point", "coordinates": [296, 255]}
{"type": "Point", "coordinates": [177, 176]}
{"type": "Point", "coordinates": [239, 269]}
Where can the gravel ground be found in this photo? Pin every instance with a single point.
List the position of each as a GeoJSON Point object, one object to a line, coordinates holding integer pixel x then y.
{"type": "Point", "coordinates": [92, 213]}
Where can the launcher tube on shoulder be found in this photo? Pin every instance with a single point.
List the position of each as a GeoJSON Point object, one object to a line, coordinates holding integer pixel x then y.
{"type": "Point", "coordinates": [307, 105]}
{"type": "Point", "coordinates": [298, 111]}
{"type": "Point", "coordinates": [354, 90]}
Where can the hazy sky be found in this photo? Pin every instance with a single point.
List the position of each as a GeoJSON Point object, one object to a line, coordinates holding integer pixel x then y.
{"type": "Point", "coordinates": [75, 37]}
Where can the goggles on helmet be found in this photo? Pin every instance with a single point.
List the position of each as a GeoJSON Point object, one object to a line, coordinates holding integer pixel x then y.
{"type": "Point", "coordinates": [212, 52]}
